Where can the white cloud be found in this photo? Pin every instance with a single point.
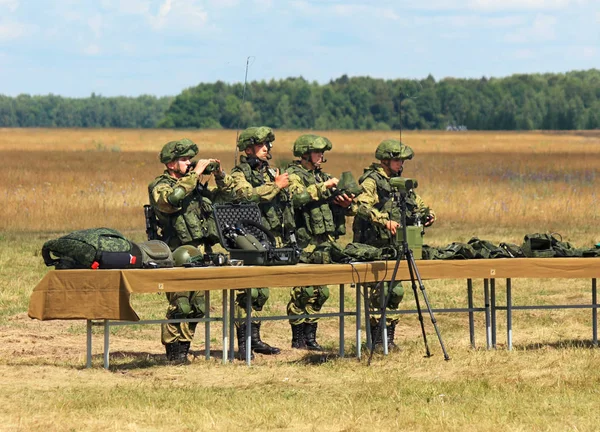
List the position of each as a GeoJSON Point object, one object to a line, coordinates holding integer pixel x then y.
{"type": "Point", "coordinates": [524, 54]}
{"type": "Point", "coordinates": [471, 21]}
{"type": "Point", "coordinates": [542, 29]}
{"type": "Point", "coordinates": [95, 24]}
{"type": "Point", "coordinates": [589, 51]}
{"type": "Point", "coordinates": [91, 50]}
{"type": "Point", "coordinates": [11, 31]}
{"type": "Point", "coordinates": [179, 14]}
{"type": "Point", "coordinates": [11, 5]}
{"type": "Point", "coordinates": [524, 4]}
{"type": "Point", "coordinates": [264, 4]}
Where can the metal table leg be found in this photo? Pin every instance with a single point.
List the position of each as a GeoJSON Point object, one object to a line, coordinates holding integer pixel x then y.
{"type": "Point", "coordinates": [358, 322]}
{"type": "Point", "coordinates": [225, 341]}
{"type": "Point", "coordinates": [88, 363]}
{"type": "Point", "coordinates": [488, 329]}
{"type": "Point", "coordinates": [471, 314]}
{"type": "Point", "coordinates": [207, 325]}
{"type": "Point", "coordinates": [493, 310]}
{"type": "Point", "coordinates": [342, 310]}
{"type": "Point", "coordinates": [106, 343]}
{"type": "Point", "coordinates": [509, 314]}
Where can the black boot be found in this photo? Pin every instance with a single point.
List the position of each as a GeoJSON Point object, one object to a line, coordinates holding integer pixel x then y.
{"type": "Point", "coordinates": [177, 352]}
{"type": "Point", "coordinates": [310, 336]}
{"type": "Point", "coordinates": [298, 340]}
{"type": "Point", "coordinates": [391, 329]}
{"type": "Point", "coordinates": [376, 337]}
{"type": "Point", "coordinates": [258, 346]}
{"type": "Point", "coordinates": [241, 337]}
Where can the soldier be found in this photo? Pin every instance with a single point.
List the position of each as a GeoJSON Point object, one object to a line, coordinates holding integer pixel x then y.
{"type": "Point", "coordinates": [255, 181]}
{"type": "Point", "coordinates": [320, 216]}
{"type": "Point", "coordinates": [184, 211]}
{"type": "Point", "coordinates": [378, 219]}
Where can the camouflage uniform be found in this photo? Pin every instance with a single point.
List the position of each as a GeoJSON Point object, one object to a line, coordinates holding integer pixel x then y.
{"type": "Point", "coordinates": [254, 181]}
{"type": "Point", "coordinates": [318, 220]}
{"type": "Point", "coordinates": [375, 209]}
{"type": "Point", "coordinates": [184, 210]}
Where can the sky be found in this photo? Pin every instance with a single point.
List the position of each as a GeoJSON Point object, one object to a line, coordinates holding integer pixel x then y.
{"type": "Point", "coordinates": [74, 48]}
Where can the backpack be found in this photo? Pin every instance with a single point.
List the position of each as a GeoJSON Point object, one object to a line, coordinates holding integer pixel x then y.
{"type": "Point", "coordinates": [333, 252]}
{"type": "Point", "coordinates": [90, 248]}
{"type": "Point", "coordinates": [546, 245]}
{"type": "Point", "coordinates": [486, 249]}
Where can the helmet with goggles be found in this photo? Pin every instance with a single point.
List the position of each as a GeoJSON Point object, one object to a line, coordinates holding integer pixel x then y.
{"type": "Point", "coordinates": [393, 149]}
{"type": "Point", "coordinates": [311, 143]}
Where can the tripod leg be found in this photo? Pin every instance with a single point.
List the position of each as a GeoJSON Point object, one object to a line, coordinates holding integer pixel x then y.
{"type": "Point", "coordinates": [413, 266]}
{"type": "Point", "coordinates": [417, 302]}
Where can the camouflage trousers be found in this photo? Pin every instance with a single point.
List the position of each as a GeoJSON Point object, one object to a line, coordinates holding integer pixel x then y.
{"type": "Point", "coordinates": [375, 301]}
{"type": "Point", "coordinates": [306, 300]}
{"type": "Point", "coordinates": [186, 304]}
{"type": "Point", "coordinates": [258, 298]}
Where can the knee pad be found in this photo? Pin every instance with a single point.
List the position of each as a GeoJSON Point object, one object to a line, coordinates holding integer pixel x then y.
{"type": "Point", "coordinates": [259, 297]}
{"type": "Point", "coordinates": [322, 295]}
{"type": "Point", "coordinates": [182, 307]}
{"type": "Point", "coordinates": [396, 296]}
{"type": "Point", "coordinates": [198, 306]}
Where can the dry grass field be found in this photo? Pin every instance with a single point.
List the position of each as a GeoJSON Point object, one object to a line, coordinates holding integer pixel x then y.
{"type": "Point", "coordinates": [497, 186]}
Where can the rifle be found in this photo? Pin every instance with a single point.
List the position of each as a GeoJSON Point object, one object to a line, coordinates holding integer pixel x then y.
{"type": "Point", "coordinates": [151, 223]}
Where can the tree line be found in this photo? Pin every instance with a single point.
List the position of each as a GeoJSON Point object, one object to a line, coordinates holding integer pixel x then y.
{"type": "Point", "coordinates": [568, 101]}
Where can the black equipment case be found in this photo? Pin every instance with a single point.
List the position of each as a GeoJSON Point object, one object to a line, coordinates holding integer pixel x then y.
{"type": "Point", "coordinates": [246, 218]}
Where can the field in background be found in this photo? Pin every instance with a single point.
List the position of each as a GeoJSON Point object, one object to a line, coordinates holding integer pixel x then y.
{"type": "Point", "coordinates": [498, 186]}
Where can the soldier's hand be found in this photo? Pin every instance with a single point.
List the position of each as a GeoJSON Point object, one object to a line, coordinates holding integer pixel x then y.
{"type": "Point", "coordinates": [202, 164]}
{"type": "Point", "coordinates": [343, 200]}
{"type": "Point", "coordinates": [332, 182]}
{"type": "Point", "coordinates": [429, 220]}
{"type": "Point", "coordinates": [282, 180]}
{"type": "Point", "coordinates": [392, 226]}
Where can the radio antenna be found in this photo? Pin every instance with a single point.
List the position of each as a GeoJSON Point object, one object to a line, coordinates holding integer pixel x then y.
{"type": "Point", "coordinates": [237, 133]}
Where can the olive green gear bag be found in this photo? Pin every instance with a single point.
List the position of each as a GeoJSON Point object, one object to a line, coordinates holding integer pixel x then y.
{"type": "Point", "coordinates": [154, 254]}
{"type": "Point", "coordinates": [538, 245]}
{"type": "Point", "coordinates": [93, 248]}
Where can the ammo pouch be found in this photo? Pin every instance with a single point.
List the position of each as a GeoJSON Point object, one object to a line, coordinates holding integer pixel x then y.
{"type": "Point", "coordinates": [243, 235]}
{"type": "Point", "coordinates": [154, 254]}
{"type": "Point", "coordinates": [94, 248]}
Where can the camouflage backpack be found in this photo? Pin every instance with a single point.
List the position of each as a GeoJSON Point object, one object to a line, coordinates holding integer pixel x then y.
{"type": "Point", "coordinates": [547, 245]}
{"type": "Point", "coordinates": [333, 252]}
{"type": "Point", "coordinates": [91, 248]}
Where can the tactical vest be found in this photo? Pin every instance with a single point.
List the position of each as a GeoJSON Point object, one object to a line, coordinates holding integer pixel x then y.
{"type": "Point", "coordinates": [276, 212]}
{"type": "Point", "coordinates": [193, 224]}
{"type": "Point", "coordinates": [367, 232]}
{"type": "Point", "coordinates": [316, 217]}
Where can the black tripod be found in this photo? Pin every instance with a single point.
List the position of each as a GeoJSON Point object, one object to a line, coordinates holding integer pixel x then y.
{"type": "Point", "coordinates": [404, 251]}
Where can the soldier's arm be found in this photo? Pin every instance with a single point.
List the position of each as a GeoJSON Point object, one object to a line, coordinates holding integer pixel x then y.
{"type": "Point", "coordinates": [367, 201]}
{"type": "Point", "coordinates": [168, 198]}
{"type": "Point", "coordinates": [244, 191]}
{"type": "Point", "coordinates": [422, 207]}
{"type": "Point", "coordinates": [297, 187]}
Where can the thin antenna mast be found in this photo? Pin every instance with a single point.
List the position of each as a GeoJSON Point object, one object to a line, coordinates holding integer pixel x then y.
{"type": "Point", "coordinates": [237, 133]}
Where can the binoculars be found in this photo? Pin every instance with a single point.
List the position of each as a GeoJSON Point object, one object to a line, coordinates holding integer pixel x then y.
{"type": "Point", "coordinates": [213, 166]}
{"type": "Point", "coordinates": [403, 184]}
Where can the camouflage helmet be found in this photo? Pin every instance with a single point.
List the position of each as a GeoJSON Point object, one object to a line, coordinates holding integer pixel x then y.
{"type": "Point", "coordinates": [307, 143]}
{"type": "Point", "coordinates": [393, 149]}
{"type": "Point", "coordinates": [177, 149]}
{"type": "Point", "coordinates": [184, 254]}
{"type": "Point", "coordinates": [255, 135]}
